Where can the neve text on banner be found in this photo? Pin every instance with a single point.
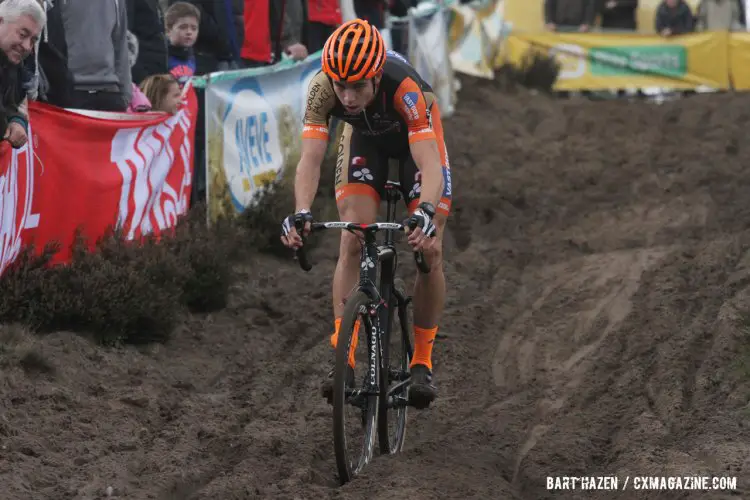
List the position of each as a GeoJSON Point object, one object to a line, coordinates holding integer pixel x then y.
{"type": "Point", "coordinates": [253, 130]}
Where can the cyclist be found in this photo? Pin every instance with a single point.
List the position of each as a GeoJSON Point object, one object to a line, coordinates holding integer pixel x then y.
{"type": "Point", "coordinates": [389, 112]}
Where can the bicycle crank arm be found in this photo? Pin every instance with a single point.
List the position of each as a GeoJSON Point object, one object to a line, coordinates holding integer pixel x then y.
{"type": "Point", "coordinates": [397, 402]}
{"type": "Point", "coordinates": [398, 387]}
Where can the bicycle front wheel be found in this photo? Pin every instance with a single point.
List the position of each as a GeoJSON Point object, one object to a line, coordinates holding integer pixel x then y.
{"type": "Point", "coordinates": [355, 404]}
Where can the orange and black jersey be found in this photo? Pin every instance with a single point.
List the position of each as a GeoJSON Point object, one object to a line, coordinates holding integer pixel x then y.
{"type": "Point", "coordinates": [400, 114]}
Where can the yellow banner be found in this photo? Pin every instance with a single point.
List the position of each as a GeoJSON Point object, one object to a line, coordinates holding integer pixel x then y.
{"type": "Point", "coordinates": [525, 15]}
{"type": "Point", "coordinates": [739, 60]}
{"type": "Point", "coordinates": [596, 61]}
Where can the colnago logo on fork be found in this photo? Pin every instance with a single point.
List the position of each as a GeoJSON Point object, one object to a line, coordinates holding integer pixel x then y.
{"type": "Point", "coordinates": [373, 352]}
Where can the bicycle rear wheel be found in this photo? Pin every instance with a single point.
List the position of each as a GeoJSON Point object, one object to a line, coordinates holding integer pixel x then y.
{"type": "Point", "coordinates": [354, 404]}
{"type": "Point", "coordinates": [394, 388]}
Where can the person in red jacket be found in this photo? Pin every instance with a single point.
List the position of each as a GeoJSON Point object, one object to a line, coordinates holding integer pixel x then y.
{"type": "Point", "coordinates": [272, 27]}
{"type": "Point", "coordinates": [323, 17]}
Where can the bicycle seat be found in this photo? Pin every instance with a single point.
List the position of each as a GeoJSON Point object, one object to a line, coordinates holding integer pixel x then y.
{"type": "Point", "coordinates": [392, 185]}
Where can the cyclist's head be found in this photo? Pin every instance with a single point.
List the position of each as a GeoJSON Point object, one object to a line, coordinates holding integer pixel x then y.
{"type": "Point", "coordinates": [353, 57]}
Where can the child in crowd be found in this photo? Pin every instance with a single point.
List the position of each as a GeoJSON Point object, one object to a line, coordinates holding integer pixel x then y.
{"type": "Point", "coordinates": [139, 102]}
{"type": "Point", "coordinates": [182, 20]}
{"type": "Point", "coordinates": [164, 92]}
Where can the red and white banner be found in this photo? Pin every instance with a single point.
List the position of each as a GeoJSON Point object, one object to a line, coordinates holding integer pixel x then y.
{"type": "Point", "coordinates": [94, 172]}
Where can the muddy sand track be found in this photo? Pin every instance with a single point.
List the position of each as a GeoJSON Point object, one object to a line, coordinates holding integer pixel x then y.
{"type": "Point", "coordinates": [599, 281]}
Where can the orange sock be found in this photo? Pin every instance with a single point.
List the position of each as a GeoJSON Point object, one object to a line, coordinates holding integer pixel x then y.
{"type": "Point", "coordinates": [424, 338]}
{"type": "Point", "coordinates": [355, 339]}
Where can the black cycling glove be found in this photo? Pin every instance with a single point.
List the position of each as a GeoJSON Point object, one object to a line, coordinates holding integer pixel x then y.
{"type": "Point", "coordinates": [423, 218]}
{"type": "Point", "coordinates": [296, 221]}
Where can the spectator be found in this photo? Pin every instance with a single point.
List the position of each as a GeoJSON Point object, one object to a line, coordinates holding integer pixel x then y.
{"type": "Point", "coordinates": [674, 17]}
{"type": "Point", "coordinates": [182, 20]}
{"type": "Point", "coordinates": [146, 22]}
{"type": "Point", "coordinates": [183, 29]}
{"type": "Point", "coordinates": [213, 48]}
{"type": "Point", "coordinates": [323, 17]}
{"type": "Point", "coordinates": [139, 103]}
{"type": "Point", "coordinates": [272, 27]}
{"type": "Point", "coordinates": [164, 93]}
{"type": "Point", "coordinates": [21, 22]}
{"type": "Point", "coordinates": [718, 15]}
{"type": "Point", "coordinates": [569, 15]}
{"type": "Point", "coordinates": [95, 33]}
{"type": "Point", "coordinates": [619, 14]}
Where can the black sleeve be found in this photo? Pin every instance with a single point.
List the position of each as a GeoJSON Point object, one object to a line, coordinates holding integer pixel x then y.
{"type": "Point", "coordinates": [130, 9]}
{"type": "Point", "coordinates": [53, 60]}
{"type": "Point", "coordinates": [212, 30]}
{"type": "Point", "coordinates": [549, 11]}
{"type": "Point", "coordinates": [661, 20]}
{"type": "Point", "coordinates": [686, 21]}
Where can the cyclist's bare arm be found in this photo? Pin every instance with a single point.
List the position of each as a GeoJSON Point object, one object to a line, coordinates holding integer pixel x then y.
{"type": "Point", "coordinates": [306, 181]}
{"type": "Point", "coordinates": [308, 172]}
{"type": "Point", "coordinates": [320, 101]}
{"type": "Point", "coordinates": [427, 158]}
{"type": "Point", "coordinates": [412, 104]}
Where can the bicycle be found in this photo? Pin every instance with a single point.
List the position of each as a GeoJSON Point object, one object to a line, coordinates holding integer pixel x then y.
{"type": "Point", "coordinates": [374, 308]}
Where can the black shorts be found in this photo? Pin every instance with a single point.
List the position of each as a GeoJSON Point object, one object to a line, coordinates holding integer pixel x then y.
{"type": "Point", "coordinates": [362, 169]}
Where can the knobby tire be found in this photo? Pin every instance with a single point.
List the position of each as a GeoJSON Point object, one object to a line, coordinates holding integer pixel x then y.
{"type": "Point", "coordinates": [347, 469]}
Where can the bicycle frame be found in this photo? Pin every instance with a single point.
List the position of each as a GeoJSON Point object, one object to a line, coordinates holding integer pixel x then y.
{"type": "Point", "coordinates": [372, 254]}
{"type": "Point", "coordinates": [386, 256]}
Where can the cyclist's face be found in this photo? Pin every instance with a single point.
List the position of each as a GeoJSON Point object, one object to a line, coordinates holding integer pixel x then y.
{"type": "Point", "coordinates": [356, 96]}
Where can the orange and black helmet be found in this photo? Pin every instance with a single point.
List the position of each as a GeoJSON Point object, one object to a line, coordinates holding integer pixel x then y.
{"type": "Point", "coordinates": [355, 51]}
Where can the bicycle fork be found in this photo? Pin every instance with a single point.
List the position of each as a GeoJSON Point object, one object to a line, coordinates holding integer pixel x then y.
{"type": "Point", "coordinates": [370, 381]}
{"type": "Point", "coordinates": [395, 394]}
{"type": "Point", "coordinates": [367, 276]}
{"type": "Point", "coordinates": [376, 358]}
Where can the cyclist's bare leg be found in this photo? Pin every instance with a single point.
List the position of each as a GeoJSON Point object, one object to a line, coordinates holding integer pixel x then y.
{"type": "Point", "coordinates": [429, 289]}
{"type": "Point", "coordinates": [363, 210]}
{"type": "Point", "coordinates": [428, 300]}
